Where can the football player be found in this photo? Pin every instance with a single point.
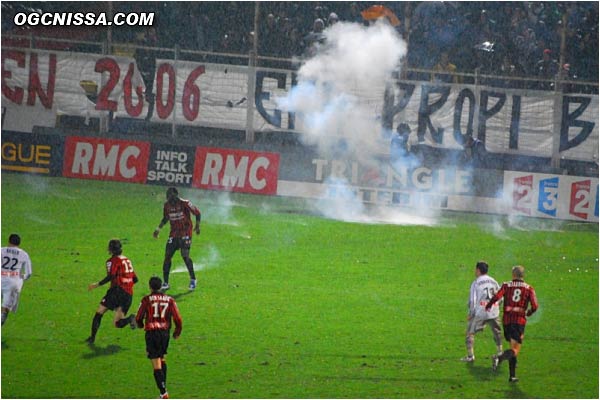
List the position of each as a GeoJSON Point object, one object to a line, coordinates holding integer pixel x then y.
{"type": "Point", "coordinates": [16, 268]}
{"type": "Point", "coordinates": [155, 314]}
{"type": "Point", "coordinates": [118, 297]}
{"type": "Point", "coordinates": [178, 212]}
{"type": "Point", "coordinates": [482, 290]}
{"type": "Point", "coordinates": [517, 296]}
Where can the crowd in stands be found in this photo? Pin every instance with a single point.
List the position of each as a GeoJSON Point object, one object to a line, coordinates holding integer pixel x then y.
{"type": "Point", "coordinates": [495, 38]}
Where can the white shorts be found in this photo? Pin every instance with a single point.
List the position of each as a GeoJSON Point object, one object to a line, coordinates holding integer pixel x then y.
{"type": "Point", "coordinates": [476, 325]}
{"type": "Point", "coordinates": [11, 288]}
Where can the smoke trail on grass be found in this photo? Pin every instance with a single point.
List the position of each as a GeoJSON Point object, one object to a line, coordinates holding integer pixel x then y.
{"type": "Point", "coordinates": [210, 258]}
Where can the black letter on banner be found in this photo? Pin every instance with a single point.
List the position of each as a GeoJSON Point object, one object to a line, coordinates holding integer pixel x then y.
{"type": "Point", "coordinates": [485, 114]}
{"type": "Point", "coordinates": [426, 109]}
{"type": "Point", "coordinates": [259, 96]}
{"type": "Point", "coordinates": [458, 109]}
{"type": "Point", "coordinates": [515, 121]}
{"type": "Point", "coordinates": [571, 120]}
{"type": "Point", "coordinates": [292, 115]}
{"type": "Point", "coordinates": [389, 108]}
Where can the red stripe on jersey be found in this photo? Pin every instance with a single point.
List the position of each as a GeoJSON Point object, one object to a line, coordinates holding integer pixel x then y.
{"type": "Point", "coordinates": [179, 215]}
{"type": "Point", "coordinates": [121, 270]}
{"type": "Point", "coordinates": [517, 295]}
{"type": "Point", "coordinates": [156, 312]}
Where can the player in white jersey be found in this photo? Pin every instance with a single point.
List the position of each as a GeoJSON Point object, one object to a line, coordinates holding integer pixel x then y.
{"type": "Point", "coordinates": [482, 290]}
{"type": "Point", "coordinates": [16, 268]}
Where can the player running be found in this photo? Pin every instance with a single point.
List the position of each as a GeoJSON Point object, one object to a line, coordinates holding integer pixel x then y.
{"type": "Point", "coordinates": [154, 315]}
{"type": "Point", "coordinates": [16, 268]}
{"type": "Point", "coordinates": [482, 290]}
{"type": "Point", "coordinates": [118, 297]}
{"type": "Point", "coordinates": [178, 212]}
{"type": "Point", "coordinates": [517, 296]}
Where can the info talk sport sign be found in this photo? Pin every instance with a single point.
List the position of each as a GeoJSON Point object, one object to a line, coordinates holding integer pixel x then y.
{"type": "Point", "coordinates": [143, 162]}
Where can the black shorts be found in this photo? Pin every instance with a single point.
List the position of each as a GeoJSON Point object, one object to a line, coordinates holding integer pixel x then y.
{"type": "Point", "coordinates": [116, 297]}
{"type": "Point", "coordinates": [157, 343]}
{"type": "Point", "coordinates": [177, 243]}
{"type": "Point", "coordinates": [514, 332]}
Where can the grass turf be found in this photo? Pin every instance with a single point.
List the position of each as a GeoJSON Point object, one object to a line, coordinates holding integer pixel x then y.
{"type": "Point", "coordinates": [289, 304]}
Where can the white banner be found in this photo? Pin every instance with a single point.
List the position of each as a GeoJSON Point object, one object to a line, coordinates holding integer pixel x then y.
{"type": "Point", "coordinates": [42, 83]}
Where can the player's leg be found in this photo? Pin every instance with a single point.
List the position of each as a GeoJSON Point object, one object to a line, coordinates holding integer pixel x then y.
{"type": "Point", "coordinates": [515, 346]}
{"type": "Point", "coordinates": [4, 314]}
{"type": "Point", "coordinates": [96, 322]}
{"type": "Point", "coordinates": [497, 334]}
{"type": "Point", "coordinates": [473, 327]}
{"type": "Point", "coordinates": [10, 297]}
{"type": "Point", "coordinates": [185, 254]}
{"type": "Point", "coordinates": [156, 348]}
{"type": "Point", "coordinates": [469, 342]}
{"type": "Point", "coordinates": [170, 249]}
{"type": "Point", "coordinates": [120, 321]}
{"type": "Point", "coordinates": [159, 377]}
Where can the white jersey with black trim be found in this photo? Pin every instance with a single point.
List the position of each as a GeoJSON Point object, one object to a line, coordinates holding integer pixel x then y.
{"type": "Point", "coordinates": [15, 263]}
{"type": "Point", "coordinates": [482, 290]}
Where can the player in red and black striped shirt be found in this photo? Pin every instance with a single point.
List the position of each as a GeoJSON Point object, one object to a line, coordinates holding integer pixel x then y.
{"type": "Point", "coordinates": [178, 212]}
{"type": "Point", "coordinates": [517, 295]}
{"type": "Point", "coordinates": [122, 277]}
{"type": "Point", "coordinates": [154, 315]}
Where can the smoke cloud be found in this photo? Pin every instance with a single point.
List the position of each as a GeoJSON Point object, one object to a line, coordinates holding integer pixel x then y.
{"type": "Point", "coordinates": [353, 59]}
{"type": "Point", "coordinates": [331, 116]}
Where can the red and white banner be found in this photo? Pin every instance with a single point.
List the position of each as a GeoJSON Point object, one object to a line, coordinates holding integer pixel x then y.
{"type": "Point", "coordinates": [236, 170]}
{"type": "Point", "coordinates": [106, 159]}
{"type": "Point", "coordinates": [551, 196]}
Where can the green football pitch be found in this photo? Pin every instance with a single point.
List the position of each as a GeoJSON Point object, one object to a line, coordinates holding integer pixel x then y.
{"type": "Point", "coordinates": [290, 304]}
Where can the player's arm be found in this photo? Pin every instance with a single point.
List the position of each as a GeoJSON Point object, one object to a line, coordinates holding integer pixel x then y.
{"type": "Point", "coordinates": [499, 294]}
{"type": "Point", "coordinates": [198, 220]}
{"type": "Point", "coordinates": [105, 280]}
{"type": "Point", "coordinates": [141, 313]}
{"type": "Point", "coordinates": [160, 225]}
{"type": "Point", "coordinates": [472, 300]}
{"type": "Point", "coordinates": [176, 319]}
{"type": "Point", "coordinates": [196, 211]}
{"type": "Point", "coordinates": [27, 269]}
{"type": "Point", "coordinates": [532, 301]}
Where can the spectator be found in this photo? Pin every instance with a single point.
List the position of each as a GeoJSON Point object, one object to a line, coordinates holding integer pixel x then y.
{"type": "Point", "coordinates": [314, 37]}
{"type": "Point", "coordinates": [399, 147]}
{"type": "Point", "coordinates": [332, 19]}
{"type": "Point", "coordinates": [447, 70]}
{"type": "Point", "coordinates": [269, 37]}
{"type": "Point", "coordinates": [546, 69]}
{"type": "Point", "coordinates": [146, 62]}
{"type": "Point", "coordinates": [475, 153]}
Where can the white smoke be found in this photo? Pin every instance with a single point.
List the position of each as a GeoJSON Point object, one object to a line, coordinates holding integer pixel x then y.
{"type": "Point", "coordinates": [211, 258]}
{"type": "Point", "coordinates": [353, 59]}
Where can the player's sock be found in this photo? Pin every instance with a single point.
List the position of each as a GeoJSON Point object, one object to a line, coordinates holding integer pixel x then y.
{"type": "Point", "coordinates": [164, 371]}
{"type": "Point", "coordinates": [4, 316]}
{"type": "Point", "coordinates": [96, 324]}
{"type": "Point", "coordinates": [166, 270]}
{"type": "Point", "coordinates": [512, 366]}
{"type": "Point", "coordinates": [470, 341]}
{"type": "Point", "coordinates": [123, 322]}
{"type": "Point", "coordinates": [190, 267]}
{"type": "Point", "coordinates": [507, 355]}
{"type": "Point", "coordinates": [159, 378]}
